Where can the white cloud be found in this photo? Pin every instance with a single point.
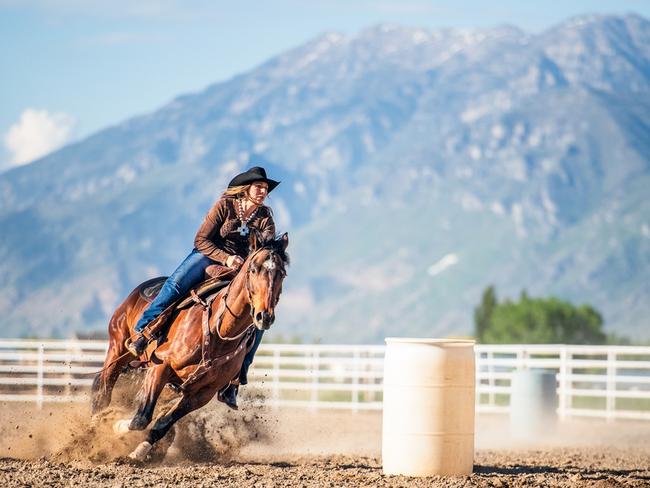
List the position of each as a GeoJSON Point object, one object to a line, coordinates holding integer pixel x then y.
{"type": "Point", "coordinates": [37, 133]}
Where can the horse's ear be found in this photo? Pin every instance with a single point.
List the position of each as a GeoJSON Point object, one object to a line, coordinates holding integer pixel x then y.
{"type": "Point", "coordinates": [285, 241]}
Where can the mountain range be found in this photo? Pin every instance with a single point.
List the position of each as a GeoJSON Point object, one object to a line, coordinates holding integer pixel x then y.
{"type": "Point", "coordinates": [418, 166]}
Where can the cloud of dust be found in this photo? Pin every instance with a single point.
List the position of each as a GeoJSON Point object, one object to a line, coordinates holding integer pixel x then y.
{"type": "Point", "coordinates": [495, 431]}
{"type": "Point", "coordinates": [65, 433]}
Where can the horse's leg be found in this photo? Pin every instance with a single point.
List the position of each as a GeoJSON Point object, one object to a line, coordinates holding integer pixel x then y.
{"type": "Point", "coordinates": [104, 382]}
{"type": "Point", "coordinates": [186, 404]}
{"type": "Point", "coordinates": [152, 386]}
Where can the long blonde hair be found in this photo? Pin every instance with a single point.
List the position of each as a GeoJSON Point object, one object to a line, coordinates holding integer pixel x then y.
{"type": "Point", "coordinates": [235, 191]}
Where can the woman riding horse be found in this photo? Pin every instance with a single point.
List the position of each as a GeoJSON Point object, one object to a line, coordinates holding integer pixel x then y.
{"type": "Point", "coordinates": [222, 239]}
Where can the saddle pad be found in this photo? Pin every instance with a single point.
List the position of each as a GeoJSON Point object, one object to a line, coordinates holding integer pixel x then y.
{"type": "Point", "coordinates": [150, 288]}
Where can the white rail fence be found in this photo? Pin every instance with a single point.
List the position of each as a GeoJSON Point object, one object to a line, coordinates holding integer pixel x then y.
{"type": "Point", "coordinates": [600, 381]}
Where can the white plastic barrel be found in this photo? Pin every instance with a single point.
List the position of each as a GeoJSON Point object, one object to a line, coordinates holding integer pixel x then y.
{"type": "Point", "coordinates": [428, 422]}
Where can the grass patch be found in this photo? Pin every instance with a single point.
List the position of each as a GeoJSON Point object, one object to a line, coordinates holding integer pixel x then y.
{"type": "Point", "coordinates": [642, 404]}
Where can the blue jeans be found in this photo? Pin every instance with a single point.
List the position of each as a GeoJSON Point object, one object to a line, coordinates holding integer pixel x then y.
{"type": "Point", "coordinates": [190, 272]}
{"type": "Point", "coordinates": [248, 359]}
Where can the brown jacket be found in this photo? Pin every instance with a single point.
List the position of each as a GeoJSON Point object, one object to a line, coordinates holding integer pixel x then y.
{"type": "Point", "coordinates": [218, 238]}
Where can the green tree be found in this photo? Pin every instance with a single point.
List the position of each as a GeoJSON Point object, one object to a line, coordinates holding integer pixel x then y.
{"type": "Point", "coordinates": [537, 321]}
{"type": "Point", "coordinates": [483, 312]}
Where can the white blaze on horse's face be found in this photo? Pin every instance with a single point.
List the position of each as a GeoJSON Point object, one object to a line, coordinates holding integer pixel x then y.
{"type": "Point", "coordinates": [266, 286]}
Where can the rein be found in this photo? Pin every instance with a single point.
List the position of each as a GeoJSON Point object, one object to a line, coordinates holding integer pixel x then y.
{"type": "Point", "coordinates": [206, 362]}
{"type": "Point", "coordinates": [220, 318]}
{"type": "Point", "coordinates": [226, 307]}
{"type": "Point", "coordinates": [207, 309]}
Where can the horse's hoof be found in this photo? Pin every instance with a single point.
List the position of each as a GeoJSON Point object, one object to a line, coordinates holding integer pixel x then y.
{"type": "Point", "coordinates": [139, 422]}
{"type": "Point", "coordinates": [121, 426]}
{"type": "Point", "coordinates": [140, 453]}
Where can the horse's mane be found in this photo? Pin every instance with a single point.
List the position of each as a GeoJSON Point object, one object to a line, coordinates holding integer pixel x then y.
{"type": "Point", "coordinates": [276, 245]}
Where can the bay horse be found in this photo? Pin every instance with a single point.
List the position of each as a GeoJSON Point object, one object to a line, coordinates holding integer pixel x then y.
{"type": "Point", "coordinates": [205, 345]}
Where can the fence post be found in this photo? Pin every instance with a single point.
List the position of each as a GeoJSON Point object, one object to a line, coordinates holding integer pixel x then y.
{"type": "Point", "coordinates": [276, 377]}
{"type": "Point", "coordinates": [610, 403]}
{"type": "Point", "coordinates": [355, 380]}
{"type": "Point", "coordinates": [522, 358]}
{"type": "Point", "coordinates": [491, 382]}
{"type": "Point", "coordinates": [563, 383]}
{"type": "Point", "coordinates": [315, 379]}
{"type": "Point", "coordinates": [70, 351]}
{"type": "Point", "coordinates": [520, 364]}
{"type": "Point", "coordinates": [477, 369]}
{"type": "Point", "coordinates": [39, 377]}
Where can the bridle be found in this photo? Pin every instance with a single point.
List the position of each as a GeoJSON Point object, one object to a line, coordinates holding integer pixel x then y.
{"type": "Point", "coordinates": [249, 296]}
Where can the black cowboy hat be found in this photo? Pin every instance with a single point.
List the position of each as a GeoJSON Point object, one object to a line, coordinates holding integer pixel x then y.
{"type": "Point", "coordinates": [254, 174]}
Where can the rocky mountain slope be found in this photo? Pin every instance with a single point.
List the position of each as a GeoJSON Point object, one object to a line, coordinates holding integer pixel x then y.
{"type": "Point", "coordinates": [418, 167]}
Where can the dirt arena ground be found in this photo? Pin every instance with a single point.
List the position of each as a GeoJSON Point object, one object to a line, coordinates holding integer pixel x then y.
{"type": "Point", "coordinates": [258, 446]}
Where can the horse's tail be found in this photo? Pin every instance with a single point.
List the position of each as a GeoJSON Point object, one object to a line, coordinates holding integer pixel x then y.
{"type": "Point", "coordinates": [116, 357]}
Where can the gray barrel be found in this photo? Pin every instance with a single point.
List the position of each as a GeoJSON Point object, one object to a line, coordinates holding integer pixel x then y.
{"type": "Point", "coordinates": [533, 404]}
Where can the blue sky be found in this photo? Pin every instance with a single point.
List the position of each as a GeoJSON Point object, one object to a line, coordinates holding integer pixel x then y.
{"type": "Point", "coordinates": [72, 67]}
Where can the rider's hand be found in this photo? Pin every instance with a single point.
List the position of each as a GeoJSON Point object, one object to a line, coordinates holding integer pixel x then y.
{"type": "Point", "coordinates": [234, 261]}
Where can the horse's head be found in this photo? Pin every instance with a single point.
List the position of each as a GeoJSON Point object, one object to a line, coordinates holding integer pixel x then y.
{"type": "Point", "coordinates": [265, 271]}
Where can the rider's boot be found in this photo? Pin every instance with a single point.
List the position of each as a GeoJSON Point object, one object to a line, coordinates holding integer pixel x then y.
{"type": "Point", "coordinates": [228, 395]}
{"type": "Point", "coordinates": [138, 346]}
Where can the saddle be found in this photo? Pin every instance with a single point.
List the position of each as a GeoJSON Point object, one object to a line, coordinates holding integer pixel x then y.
{"type": "Point", "coordinates": [149, 290]}
{"type": "Point", "coordinates": [218, 277]}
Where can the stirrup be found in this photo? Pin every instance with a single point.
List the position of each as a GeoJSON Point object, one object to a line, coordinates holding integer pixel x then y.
{"type": "Point", "coordinates": [138, 346]}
